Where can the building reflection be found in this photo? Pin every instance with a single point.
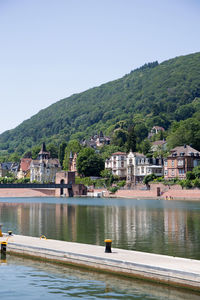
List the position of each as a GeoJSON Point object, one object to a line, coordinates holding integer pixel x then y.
{"type": "Point", "coordinates": [159, 230]}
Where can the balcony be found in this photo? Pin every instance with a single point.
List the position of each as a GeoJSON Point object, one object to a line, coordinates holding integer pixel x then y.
{"type": "Point", "coordinates": [180, 164]}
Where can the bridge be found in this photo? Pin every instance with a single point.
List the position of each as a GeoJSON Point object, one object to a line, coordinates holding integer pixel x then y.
{"type": "Point", "coordinates": [35, 186]}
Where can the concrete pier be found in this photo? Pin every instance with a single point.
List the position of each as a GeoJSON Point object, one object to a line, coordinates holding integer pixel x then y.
{"type": "Point", "coordinates": [169, 270]}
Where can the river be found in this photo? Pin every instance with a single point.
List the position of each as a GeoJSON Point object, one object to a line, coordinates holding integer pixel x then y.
{"type": "Point", "coordinates": [156, 226]}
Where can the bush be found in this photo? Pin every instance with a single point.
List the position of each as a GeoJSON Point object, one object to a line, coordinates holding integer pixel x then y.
{"type": "Point", "coordinates": [196, 182]}
{"type": "Point", "coordinates": [121, 184]}
{"type": "Point", "coordinates": [186, 183]}
{"type": "Point", "coordinates": [113, 189]}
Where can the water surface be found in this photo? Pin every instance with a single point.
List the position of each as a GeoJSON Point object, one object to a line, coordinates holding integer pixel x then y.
{"type": "Point", "coordinates": [156, 226]}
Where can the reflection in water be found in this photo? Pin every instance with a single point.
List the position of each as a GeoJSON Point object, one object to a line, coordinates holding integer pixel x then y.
{"type": "Point", "coordinates": [150, 226]}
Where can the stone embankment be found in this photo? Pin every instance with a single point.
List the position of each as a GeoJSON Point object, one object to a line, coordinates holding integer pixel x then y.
{"type": "Point", "coordinates": [174, 192]}
{"type": "Point", "coordinates": [173, 271]}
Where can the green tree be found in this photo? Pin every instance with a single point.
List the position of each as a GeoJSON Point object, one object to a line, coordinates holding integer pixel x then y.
{"type": "Point", "coordinates": [35, 150]}
{"type": "Point", "coordinates": [74, 147]}
{"type": "Point", "coordinates": [53, 149]}
{"type": "Point", "coordinates": [145, 146]}
{"type": "Point", "coordinates": [149, 178]}
{"type": "Point", "coordinates": [61, 152]}
{"type": "Point", "coordinates": [119, 137]}
{"type": "Point", "coordinates": [131, 140]}
{"type": "Point", "coordinates": [14, 157]}
{"type": "Point", "coordinates": [89, 163]}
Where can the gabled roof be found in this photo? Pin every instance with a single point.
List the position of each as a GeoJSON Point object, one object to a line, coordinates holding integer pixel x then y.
{"type": "Point", "coordinates": [185, 150]}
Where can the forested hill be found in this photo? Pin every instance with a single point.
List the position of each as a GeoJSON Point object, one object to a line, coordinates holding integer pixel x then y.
{"type": "Point", "coordinates": [156, 93]}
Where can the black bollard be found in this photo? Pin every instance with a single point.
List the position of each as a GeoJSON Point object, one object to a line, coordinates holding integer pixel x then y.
{"type": "Point", "coordinates": [108, 246]}
{"type": "Point", "coordinates": [3, 247]}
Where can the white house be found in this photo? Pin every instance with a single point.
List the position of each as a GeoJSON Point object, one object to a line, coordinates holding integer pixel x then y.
{"type": "Point", "coordinates": [117, 164]}
{"type": "Point", "coordinates": [44, 168]}
{"type": "Point", "coordinates": [138, 166]}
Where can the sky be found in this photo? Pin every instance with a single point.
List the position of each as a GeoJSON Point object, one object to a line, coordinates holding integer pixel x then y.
{"type": "Point", "coordinates": [51, 49]}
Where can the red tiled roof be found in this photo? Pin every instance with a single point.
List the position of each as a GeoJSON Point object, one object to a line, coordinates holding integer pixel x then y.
{"type": "Point", "coordinates": [25, 164]}
{"type": "Point", "coordinates": [119, 153]}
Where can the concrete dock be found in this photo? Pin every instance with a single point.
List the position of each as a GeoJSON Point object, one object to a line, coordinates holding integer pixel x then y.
{"type": "Point", "coordinates": [169, 270]}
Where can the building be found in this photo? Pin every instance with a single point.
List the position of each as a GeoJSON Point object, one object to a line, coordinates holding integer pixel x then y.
{"type": "Point", "coordinates": [181, 160]}
{"type": "Point", "coordinates": [44, 168]}
{"type": "Point", "coordinates": [138, 166]}
{"type": "Point", "coordinates": [9, 167]}
{"type": "Point", "coordinates": [160, 145]}
{"type": "Point", "coordinates": [117, 164]}
{"type": "Point", "coordinates": [72, 162]}
{"type": "Point", "coordinates": [155, 130]}
{"type": "Point", "coordinates": [97, 140]}
{"type": "Point", "coordinates": [24, 168]}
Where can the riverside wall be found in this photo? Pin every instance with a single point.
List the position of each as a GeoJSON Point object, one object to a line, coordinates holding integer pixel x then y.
{"type": "Point", "coordinates": [26, 193]}
{"type": "Point", "coordinates": [167, 192]}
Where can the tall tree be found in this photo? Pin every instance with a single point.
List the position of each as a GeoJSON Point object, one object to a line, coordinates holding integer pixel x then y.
{"type": "Point", "coordinates": [131, 140]}
{"type": "Point", "coordinates": [61, 152]}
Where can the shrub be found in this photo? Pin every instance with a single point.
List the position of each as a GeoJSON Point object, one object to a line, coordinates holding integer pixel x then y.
{"type": "Point", "coordinates": [113, 189]}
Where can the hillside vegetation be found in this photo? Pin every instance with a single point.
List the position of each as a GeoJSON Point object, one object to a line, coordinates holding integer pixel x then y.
{"type": "Point", "coordinates": [166, 94]}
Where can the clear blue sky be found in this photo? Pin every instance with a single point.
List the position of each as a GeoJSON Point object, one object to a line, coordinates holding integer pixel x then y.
{"type": "Point", "coordinates": [50, 49]}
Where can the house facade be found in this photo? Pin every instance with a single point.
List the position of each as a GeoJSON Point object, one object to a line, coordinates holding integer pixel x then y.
{"type": "Point", "coordinates": [9, 167]}
{"type": "Point", "coordinates": [133, 166]}
{"type": "Point", "coordinates": [181, 160]}
{"type": "Point", "coordinates": [24, 169]}
{"type": "Point", "coordinates": [138, 166]}
{"type": "Point", "coordinates": [160, 145]}
{"type": "Point", "coordinates": [44, 168]}
{"type": "Point", "coordinates": [117, 164]}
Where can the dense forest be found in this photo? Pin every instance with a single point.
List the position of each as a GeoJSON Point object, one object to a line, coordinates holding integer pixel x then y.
{"type": "Point", "coordinates": [165, 94]}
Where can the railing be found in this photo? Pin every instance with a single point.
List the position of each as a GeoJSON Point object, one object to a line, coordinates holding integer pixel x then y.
{"type": "Point", "coordinates": [33, 185]}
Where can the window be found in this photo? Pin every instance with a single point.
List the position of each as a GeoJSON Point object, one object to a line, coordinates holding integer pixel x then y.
{"type": "Point", "coordinates": [122, 164]}
{"type": "Point", "coordinates": [181, 172]}
{"type": "Point", "coordinates": [172, 163]}
{"type": "Point", "coordinates": [172, 172]}
{"type": "Point", "coordinates": [165, 172]}
{"type": "Point", "coordinates": [142, 170]}
{"type": "Point", "coordinates": [130, 161]}
{"type": "Point", "coordinates": [165, 163]}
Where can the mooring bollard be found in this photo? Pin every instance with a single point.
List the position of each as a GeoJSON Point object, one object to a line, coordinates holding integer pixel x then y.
{"type": "Point", "coordinates": [108, 246]}
{"type": "Point", "coordinates": [3, 247]}
{"type": "Point", "coordinates": [1, 234]}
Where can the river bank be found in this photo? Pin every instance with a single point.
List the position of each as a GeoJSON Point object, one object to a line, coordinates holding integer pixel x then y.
{"type": "Point", "coordinates": [165, 193]}
{"type": "Point", "coordinates": [156, 191]}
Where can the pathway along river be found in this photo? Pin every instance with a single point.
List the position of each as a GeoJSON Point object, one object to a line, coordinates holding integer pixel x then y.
{"type": "Point", "coordinates": [164, 227]}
